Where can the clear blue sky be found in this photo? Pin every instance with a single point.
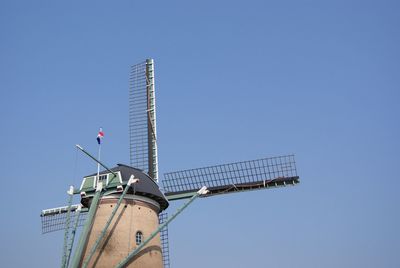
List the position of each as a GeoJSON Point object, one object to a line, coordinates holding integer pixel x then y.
{"type": "Point", "coordinates": [235, 80]}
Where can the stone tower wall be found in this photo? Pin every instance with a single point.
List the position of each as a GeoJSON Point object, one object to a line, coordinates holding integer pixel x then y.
{"type": "Point", "coordinates": [134, 214]}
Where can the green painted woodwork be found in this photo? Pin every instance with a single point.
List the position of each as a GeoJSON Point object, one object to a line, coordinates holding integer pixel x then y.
{"type": "Point", "coordinates": [114, 181]}
{"type": "Point", "coordinates": [73, 232]}
{"type": "Point", "coordinates": [103, 232]}
{"type": "Point", "coordinates": [86, 229]}
{"type": "Point", "coordinates": [88, 184]}
{"type": "Point", "coordinates": [66, 231]}
{"type": "Point", "coordinates": [132, 254]}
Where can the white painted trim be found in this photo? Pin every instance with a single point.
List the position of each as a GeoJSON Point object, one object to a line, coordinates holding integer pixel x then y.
{"type": "Point", "coordinates": [52, 211]}
{"type": "Point", "coordinates": [71, 190]}
{"type": "Point", "coordinates": [99, 186]}
{"type": "Point", "coordinates": [83, 182]}
{"type": "Point", "coordinates": [104, 175]}
{"type": "Point", "coordinates": [119, 175]}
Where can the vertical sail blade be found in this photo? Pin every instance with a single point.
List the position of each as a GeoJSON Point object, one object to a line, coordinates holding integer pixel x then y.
{"type": "Point", "coordinates": [151, 118]}
{"type": "Point", "coordinates": [142, 119]}
{"type": "Point", "coordinates": [164, 240]}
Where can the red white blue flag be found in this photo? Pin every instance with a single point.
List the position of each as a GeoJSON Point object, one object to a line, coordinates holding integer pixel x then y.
{"type": "Point", "coordinates": [100, 136]}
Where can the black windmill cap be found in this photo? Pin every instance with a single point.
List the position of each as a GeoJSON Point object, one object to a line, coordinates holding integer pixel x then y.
{"type": "Point", "coordinates": [146, 186]}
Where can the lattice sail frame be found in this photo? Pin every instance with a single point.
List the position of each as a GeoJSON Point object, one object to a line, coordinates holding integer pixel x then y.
{"type": "Point", "coordinates": [163, 216]}
{"type": "Point", "coordinates": [142, 119]}
{"type": "Point", "coordinates": [233, 177]}
{"type": "Point", "coordinates": [56, 219]}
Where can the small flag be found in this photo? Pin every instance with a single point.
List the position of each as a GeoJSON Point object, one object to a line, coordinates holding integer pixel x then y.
{"type": "Point", "coordinates": [100, 136]}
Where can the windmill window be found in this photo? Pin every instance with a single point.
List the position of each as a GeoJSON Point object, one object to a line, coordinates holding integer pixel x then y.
{"type": "Point", "coordinates": [103, 177]}
{"type": "Point", "coordinates": [139, 237]}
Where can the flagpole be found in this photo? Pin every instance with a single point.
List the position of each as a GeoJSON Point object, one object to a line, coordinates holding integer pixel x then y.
{"type": "Point", "coordinates": [99, 137]}
{"type": "Point", "coordinates": [98, 165]}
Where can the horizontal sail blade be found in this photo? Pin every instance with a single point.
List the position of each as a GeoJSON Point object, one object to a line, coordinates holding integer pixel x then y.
{"type": "Point", "coordinates": [55, 219]}
{"type": "Point", "coordinates": [233, 177]}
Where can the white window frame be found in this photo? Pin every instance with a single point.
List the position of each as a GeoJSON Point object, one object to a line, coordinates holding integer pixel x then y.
{"type": "Point", "coordinates": [139, 235]}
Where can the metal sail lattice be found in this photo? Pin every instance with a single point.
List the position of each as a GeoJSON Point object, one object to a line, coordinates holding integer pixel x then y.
{"type": "Point", "coordinates": [52, 222]}
{"type": "Point", "coordinates": [233, 177]}
{"type": "Point", "coordinates": [164, 240]}
{"type": "Point", "coordinates": [142, 118]}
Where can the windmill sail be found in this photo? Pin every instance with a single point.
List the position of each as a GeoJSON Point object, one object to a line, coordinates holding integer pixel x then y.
{"type": "Point", "coordinates": [142, 119]}
{"type": "Point", "coordinates": [55, 219]}
{"type": "Point", "coordinates": [234, 177]}
{"type": "Point", "coordinates": [163, 216]}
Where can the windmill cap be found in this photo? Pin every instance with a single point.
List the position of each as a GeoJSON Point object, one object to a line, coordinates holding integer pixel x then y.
{"type": "Point", "coordinates": [146, 186]}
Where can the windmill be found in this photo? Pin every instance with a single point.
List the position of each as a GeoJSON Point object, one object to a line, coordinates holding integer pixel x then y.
{"type": "Point", "coordinates": [122, 209]}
